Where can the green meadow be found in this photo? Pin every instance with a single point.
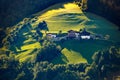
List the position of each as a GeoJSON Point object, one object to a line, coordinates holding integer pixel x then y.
{"type": "Point", "coordinates": [70, 18]}
{"type": "Point", "coordinates": [75, 51]}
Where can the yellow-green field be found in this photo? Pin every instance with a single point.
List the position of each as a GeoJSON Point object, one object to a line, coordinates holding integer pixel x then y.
{"type": "Point", "coordinates": [68, 16]}
{"type": "Point", "coordinates": [70, 57]}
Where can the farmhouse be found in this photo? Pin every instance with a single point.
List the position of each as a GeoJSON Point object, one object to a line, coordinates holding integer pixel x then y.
{"type": "Point", "coordinates": [55, 37]}
{"type": "Point", "coordinates": [85, 35]}
{"type": "Point", "coordinates": [51, 35]}
{"type": "Point", "coordinates": [73, 34]}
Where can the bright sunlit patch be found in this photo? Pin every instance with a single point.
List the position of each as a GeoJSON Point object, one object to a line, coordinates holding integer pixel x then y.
{"type": "Point", "coordinates": [68, 8]}
{"type": "Point", "coordinates": [31, 46]}
{"type": "Point", "coordinates": [71, 6]}
{"type": "Point", "coordinates": [73, 56]}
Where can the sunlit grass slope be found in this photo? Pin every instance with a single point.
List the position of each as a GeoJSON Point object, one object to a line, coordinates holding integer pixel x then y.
{"type": "Point", "coordinates": [26, 51]}
{"type": "Point", "coordinates": [65, 18]}
{"type": "Point", "coordinates": [75, 51]}
{"type": "Point", "coordinates": [70, 57]}
{"type": "Point", "coordinates": [68, 16]}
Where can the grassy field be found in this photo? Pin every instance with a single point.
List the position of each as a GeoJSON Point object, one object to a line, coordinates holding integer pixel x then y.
{"type": "Point", "coordinates": [75, 51]}
{"type": "Point", "coordinates": [64, 18]}
{"type": "Point", "coordinates": [68, 16]}
{"type": "Point", "coordinates": [70, 57]}
{"type": "Point", "coordinates": [26, 51]}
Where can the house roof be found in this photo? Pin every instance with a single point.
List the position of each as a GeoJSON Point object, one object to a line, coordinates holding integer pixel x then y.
{"type": "Point", "coordinates": [71, 31]}
{"type": "Point", "coordinates": [84, 32]}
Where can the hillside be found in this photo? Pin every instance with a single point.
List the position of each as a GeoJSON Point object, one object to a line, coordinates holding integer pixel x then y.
{"type": "Point", "coordinates": [28, 38]}
{"type": "Point", "coordinates": [104, 62]}
{"type": "Point", "coordinates": [10, 10]}
{"type": "Point", "coordinates": [61, 42]}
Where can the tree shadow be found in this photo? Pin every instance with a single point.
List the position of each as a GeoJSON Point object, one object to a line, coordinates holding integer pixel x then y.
{"type": "Point", "coordinates": [86, 48]}
{"type": "Point", "coordinates": [60, 59]}
{"type": "Point", "coordinates": [21, 51]}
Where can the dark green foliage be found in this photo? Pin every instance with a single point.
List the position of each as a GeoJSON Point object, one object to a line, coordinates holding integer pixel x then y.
{"type": "Point", "coordinates": [9, 67]}
{"type": "Point", "coordinates": [40, 70]}
{"type": "Point", "coordinates": [110, 9]}
{"type": "Point", "coordinates": [48, 71]}
{"type": "Point", "coordinates": [106, 8]}
{"type": "Point", "coordinates": [77, 67]}
{"type": "Point", "coordinates": [68, 75]}
{"type": "Point", "coordinates": [25, 72]}
{"type": "Point", "coordinates": [48, 52]}
{"type": "Point", "coordinates": [43, 26]}
{"type": "Point", "coordinates": [2, 35]}
{"type": "Point", "coordinates": [105, 64]}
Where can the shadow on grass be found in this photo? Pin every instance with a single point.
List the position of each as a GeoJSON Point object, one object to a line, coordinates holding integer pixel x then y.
{"type": "Point", "coordinates": [17, 44]}
{"type": "Point", "coordinates": [61, 59]}
{"type": "Point", "coordinates": [21, 51]}
{"type": "Point", "coordinates": [86, 48]}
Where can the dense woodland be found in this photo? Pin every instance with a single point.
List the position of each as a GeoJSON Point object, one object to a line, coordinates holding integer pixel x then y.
{"type": "Point", "coordinates": [110, 9]}
{"type": "Point", "coordinates": [105, 64]}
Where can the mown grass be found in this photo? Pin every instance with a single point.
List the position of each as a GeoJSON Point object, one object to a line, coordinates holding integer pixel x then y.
{"type": "Point", "coordinates": [66, 22]}
{"type": "Point", "coordinates": [75, 51]}
{"type": "Point", "coordinates": [69, 57]}
{"type": "Point", "coordinates": [22, 56]}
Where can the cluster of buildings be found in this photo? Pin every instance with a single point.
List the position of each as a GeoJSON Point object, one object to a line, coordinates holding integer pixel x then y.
{"type": "Point", "coordinates": [17, 34]}
{"type": "Point", "coordinates": [71, 34]}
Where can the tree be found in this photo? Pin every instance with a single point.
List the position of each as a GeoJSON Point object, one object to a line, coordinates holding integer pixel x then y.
{"type": "Point", "coordinates": [43, 26]}
{"type": "Point", "coordinates": [9, 67]}
{"type": "Point", "coordinates": [40, 70]}
{"type": "Point", "coordinates": [60, 32]}
{"type": "Point", "coordinates": [48, 51]}
{"type": "Point", "coordinates": [68, 75]}
{"type": "Point", "coordinates": [104, 62]}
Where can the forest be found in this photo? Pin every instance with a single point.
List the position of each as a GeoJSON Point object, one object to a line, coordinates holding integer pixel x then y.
{"type": "Point", "coordinates": [105, 65]}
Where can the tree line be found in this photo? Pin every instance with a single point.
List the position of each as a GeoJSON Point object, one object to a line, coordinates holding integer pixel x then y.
{"type": "Point", "coordinates": [105, 64]}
